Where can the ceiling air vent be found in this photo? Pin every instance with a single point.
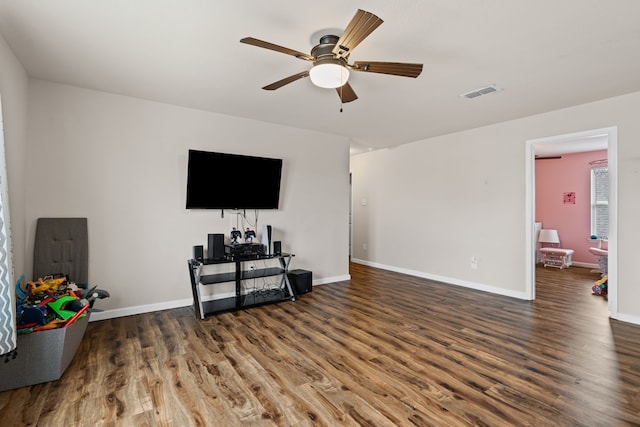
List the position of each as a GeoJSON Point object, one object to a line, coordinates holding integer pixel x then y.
{"type": "Point", "coordinates": [483, 91]}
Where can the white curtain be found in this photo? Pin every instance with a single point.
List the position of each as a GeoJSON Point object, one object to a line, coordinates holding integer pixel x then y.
{"type": "Point", "coordinates": [7, 290]}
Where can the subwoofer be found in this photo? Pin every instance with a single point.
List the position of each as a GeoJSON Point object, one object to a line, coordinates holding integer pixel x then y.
{"type": "Point", "coordinates": [301, 281]}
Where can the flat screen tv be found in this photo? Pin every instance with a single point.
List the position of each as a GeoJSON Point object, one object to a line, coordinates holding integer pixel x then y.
{"type": "Point", "coordinates": [232, 181]}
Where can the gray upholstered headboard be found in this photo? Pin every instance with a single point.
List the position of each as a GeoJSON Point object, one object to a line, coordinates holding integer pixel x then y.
{"type": "Point", "coordinates": [62, 246]}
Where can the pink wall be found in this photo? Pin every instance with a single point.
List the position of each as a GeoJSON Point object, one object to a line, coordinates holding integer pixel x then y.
{"type": "Point", "coordinates": [571, 173]}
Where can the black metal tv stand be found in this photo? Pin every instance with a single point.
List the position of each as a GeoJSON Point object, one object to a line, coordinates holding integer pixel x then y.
{"type": "Point", "coordinates": [240, 300]}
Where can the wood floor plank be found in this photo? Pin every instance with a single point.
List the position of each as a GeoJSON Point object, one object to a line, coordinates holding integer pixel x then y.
{"type": "Point", "coordinates": [382, 349]}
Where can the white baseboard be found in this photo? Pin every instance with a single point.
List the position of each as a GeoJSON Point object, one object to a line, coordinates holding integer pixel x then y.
{"type": "Point", "coordinates": [447, 280]}
{"type": "Point", "coordinates": [629, 318]}
{"type": "Point", "coordinates": [139, 309]}
{"type": "Point", "coordinates": [332, 280]}
{"type": "Point", "coordinates": [148, 308]}
{"type": "Point", "coordinates": [586, 265]}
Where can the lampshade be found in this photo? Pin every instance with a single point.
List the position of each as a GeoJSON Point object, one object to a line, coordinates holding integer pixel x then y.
{"type": "Point", "coordinates": [548, 236]}
{"type": "Point", "coordinates": [329, 75]}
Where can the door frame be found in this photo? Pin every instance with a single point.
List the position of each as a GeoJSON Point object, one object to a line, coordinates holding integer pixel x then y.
{"type": "Point", "coordinates": [530, 209]}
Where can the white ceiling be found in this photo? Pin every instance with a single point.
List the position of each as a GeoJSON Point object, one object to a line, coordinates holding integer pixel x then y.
{"type": "Point", "coordinates": [545, 54]}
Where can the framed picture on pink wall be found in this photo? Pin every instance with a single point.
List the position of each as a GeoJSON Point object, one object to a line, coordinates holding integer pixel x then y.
{"type": "Point", "coordinates": [569, 198]}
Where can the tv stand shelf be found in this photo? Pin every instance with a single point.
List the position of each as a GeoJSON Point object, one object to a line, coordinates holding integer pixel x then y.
{"type": "Point", "coordinates": [240, 300]}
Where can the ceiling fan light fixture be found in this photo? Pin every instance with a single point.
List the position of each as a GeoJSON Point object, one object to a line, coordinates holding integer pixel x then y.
{"type": "Point", "coordinates": [329, 75]}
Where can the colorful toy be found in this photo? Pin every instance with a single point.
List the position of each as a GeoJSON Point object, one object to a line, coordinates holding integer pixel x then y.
{"type": "Point", "coordinates": [59, 306]}
{"type": "Point", "coordinates": [52, 302]}
{"type": "Point", "coordinates": [32, 314]}
{"type": "Point", "coordinates": [20, 293]}
{"type": "Point", "coordinates": [600, 287]}
{"type": "Point", "coordinates": [47, 284]}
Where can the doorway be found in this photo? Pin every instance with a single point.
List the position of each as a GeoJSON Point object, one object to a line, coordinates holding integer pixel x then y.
{"type": "Point", "coordinates": [565, 141]}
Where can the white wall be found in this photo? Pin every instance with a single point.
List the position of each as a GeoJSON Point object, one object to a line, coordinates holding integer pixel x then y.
{"type": "Point", "coordinates": [14, 90]}
{"type": "Point", "coordinates": [122, 163]}
{"type": "Point", "coordinates": [463, 195]}
{"type": "Point", "coordinates": [431, 205]}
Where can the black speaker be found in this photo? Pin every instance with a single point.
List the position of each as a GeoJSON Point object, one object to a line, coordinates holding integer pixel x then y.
{"type": "Point", "coordinates": [198, 253]}
{"type": "Point", "coordinates": [215, 250]}
{"type": "Point", "coordinates": [301, 281]}
{"type": "Point", "coordinates": [277, 247]}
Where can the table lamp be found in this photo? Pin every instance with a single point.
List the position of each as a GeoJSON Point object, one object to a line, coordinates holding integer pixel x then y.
{"type": "Point", "coordinates": [548, 235]}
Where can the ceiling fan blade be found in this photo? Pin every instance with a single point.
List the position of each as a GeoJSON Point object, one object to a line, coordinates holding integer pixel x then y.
{"type": "Point", "coordinates": [362, 24]}
{"type": "Point", "coordinates": [346, 93]}
{"type": "Point", "coordinates": [260, 43]}
{"type": "Point", "coordinates": [286, 81]}
{"type": "Point", "coordinates": [393, 68]}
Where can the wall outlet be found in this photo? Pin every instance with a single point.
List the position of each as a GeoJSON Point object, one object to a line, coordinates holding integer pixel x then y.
{"type": "Point", "coordinates": [364, 246]}
{"type": "Point", "coordinates": [474, 263]}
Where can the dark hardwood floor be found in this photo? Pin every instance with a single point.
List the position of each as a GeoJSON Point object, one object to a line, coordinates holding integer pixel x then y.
{"type": "Point", "coordinates": [383, 349]}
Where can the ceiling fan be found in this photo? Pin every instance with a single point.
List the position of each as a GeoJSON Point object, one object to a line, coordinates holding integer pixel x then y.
{"type": "Point", "coordinates": [330, 58]}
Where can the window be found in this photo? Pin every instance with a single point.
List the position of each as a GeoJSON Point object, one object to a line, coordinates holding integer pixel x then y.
{"type": "Point", "coordinates": [600, 202]}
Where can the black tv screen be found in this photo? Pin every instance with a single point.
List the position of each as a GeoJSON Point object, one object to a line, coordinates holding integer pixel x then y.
{"type": "Point", "coordinates": [232, 181]}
